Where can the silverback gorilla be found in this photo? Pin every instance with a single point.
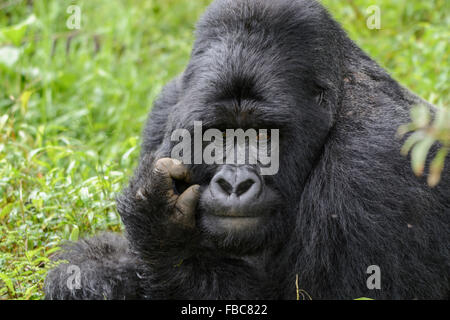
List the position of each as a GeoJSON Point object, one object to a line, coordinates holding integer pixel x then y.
{"type": "Point", "coordinates": [344, 199]}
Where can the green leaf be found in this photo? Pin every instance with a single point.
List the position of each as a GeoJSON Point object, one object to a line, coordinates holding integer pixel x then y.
{"type": "Point", "coordinates": [74, 234]}
{"type": "Point", "coordinates": [442, 124]}
{"type": "Point", "coordinates": [31, 253]}
{"type": "Point", "coordinates": [24, 98]}
{"type": "Point", "coordinates": [404, 129]}
{"type": "Point", "coordinates": [29, 292]}
{"type": "Point", "coordinates": [436, 167]}
{"type": "Point", "coordinates": [52, 250]}
{"type": "Point", "coordinates": [419, 155]}
{"type": "Point", "coordinates": [8, 283]}
{"type": "Point", "coordinates": [411, 141]}
{"type": "Point", "coordinates": [420, 116]}
{"type": "Point", "coordinates": [127, 154]}
{"type": "Point", "coordinates": [3, 120]}
{"type": "Point", "coordinates": [16, 33]}
{"type": "Point", "coordinates": [6, 210]}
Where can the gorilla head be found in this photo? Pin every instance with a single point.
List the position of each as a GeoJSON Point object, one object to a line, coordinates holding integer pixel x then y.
{"type": "Point", "coordinates": [275, 71]}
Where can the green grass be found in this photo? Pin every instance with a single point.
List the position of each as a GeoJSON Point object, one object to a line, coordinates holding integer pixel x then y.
{"type": "Point", "coordinates": [73, 103]}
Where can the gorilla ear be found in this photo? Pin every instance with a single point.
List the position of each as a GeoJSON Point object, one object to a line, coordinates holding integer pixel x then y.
{"type": "Point", "coordinates": [317, 91]}
{"type": "Point", "coordinates": [320, 97]}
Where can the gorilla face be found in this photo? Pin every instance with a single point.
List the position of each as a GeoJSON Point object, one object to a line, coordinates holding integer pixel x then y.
{"type": "Point", "coordinates": [241, 210]}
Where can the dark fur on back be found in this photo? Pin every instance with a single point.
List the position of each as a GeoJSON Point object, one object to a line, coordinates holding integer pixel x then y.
{"type": "Point", "coordinates": [350, 200]}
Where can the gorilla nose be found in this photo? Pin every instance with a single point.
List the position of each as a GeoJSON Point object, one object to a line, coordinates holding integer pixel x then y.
{"type": "Point", "coordinates": [236, 185]}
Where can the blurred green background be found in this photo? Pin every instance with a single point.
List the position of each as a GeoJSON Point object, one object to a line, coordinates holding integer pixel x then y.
{"type": "Point", "coordinates": [73, 103]}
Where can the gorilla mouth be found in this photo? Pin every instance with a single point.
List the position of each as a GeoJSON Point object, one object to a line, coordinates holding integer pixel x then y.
{"type": "Point", "coordinates": [229, 225]}
{"type": "Point", "coordinates": [232, 217]}
{"type": "Point", "coordinates": [235, 223]}
{"type": "Point", "coordinates": [232, 214]}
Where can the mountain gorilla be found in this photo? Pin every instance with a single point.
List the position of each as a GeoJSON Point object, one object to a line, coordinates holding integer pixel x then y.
{"type": "Point", "coordinates": [343, 200]}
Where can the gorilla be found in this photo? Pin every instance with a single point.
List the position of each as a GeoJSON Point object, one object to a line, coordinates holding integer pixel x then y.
{"type": "Point", "coordinates": [344, 217]}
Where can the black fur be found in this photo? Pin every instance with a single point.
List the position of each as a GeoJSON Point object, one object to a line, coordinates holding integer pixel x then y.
{"type": "Point", "coordinates": [348, 198]}
{"type": "Point", "coordinates": [107, 269]}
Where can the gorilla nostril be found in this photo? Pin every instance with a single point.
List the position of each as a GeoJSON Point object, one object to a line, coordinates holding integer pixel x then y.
{"type": "Point", "coordinates": [225, 186]}
{"type": "Point", "coordinates": [236, 186]}
{"type": "Point", "coordinates": [244, 186]}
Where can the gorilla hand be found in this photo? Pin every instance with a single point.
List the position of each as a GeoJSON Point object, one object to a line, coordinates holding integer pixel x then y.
{"type": "Point", "coordinates": [181, 207]}
{"type": "Point", "coordinates": [162, 220]}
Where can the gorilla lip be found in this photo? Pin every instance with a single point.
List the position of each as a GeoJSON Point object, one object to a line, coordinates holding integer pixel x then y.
{"type": "Point", "coordinates": [233, 214]}
{"type": "Point", "coordinates": [236, 222]}
{"type": "Point", "coordinates": [221, 223]}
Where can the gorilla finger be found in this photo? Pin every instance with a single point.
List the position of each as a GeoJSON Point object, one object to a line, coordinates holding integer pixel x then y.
{"type": "Point", "coordinates": [186, 204]}
{"type": "Point", "coordinates": [187, 201]}
{"type": "Point", "coordinates": [173, 168]}
{"type": "Point", "coordinates": [163, 171]}
{"type": "Point", "coordinates": [178, 170]}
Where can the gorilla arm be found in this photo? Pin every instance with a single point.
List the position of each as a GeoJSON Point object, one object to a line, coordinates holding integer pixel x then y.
{"type": "Point", "coordinates": [98, 268]}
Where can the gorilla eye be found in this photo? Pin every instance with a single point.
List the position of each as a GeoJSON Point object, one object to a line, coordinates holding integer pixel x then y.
{"type": "Point", "coordinates": [263, 136]}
